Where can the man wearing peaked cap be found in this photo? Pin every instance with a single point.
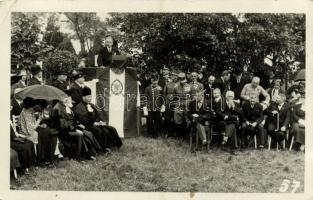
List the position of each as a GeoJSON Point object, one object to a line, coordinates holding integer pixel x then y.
{"type": "Point", "coordinates": [182, 97]}
{"type": "Point", "coordinates": [36, 72]}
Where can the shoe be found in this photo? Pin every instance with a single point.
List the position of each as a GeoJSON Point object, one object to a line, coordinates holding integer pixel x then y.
{"type": "Point", "coordinates": [302, 147]}
{"type": "Point", "coordinates": [93, 158]}
{"type": "Point", "coordinates": [204, 142]}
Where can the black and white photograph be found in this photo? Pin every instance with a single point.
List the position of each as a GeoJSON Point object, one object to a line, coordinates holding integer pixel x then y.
{"type": "Point", "coordinates": [175, 102]}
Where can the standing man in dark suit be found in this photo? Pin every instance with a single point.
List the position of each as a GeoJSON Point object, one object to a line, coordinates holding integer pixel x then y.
{"type": "Point", "coordinates": [77, 87]}
{"type": "Point", "coordinates": [252, 120]}
{"type": "Point", "coordinates": [279, 108]}
{"type": "Point", "coordinates": [36, 72]}
{"type": "Point", "coordinates": [223, 82]}
{"type": "Point", "coordinates": [154, 106]}
{"type": "Point", "coordinates": [61, 82]}
{"type": "Point", "coordinates": [237, 83]}
{"type": "Point", "coordinates": [106, 52]}
{"type": "Point", "coordinates": [209, 87]}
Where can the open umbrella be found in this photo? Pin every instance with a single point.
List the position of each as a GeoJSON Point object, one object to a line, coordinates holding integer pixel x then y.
{"type": "Point", "coordinates": [45, 92]}
{"type": "Point", "coordinates": [301, 75]}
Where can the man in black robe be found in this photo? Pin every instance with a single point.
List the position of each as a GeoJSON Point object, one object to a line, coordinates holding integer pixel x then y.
{"type": "Point", "coordinates": [87, 114]}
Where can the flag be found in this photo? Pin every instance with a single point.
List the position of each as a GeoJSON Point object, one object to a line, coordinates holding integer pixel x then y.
{"type": "Point", "coordinates": [116, 96]}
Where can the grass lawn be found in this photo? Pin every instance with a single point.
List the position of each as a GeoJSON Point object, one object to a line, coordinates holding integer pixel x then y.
{"type": "Point", "coordinates": [146, 164]}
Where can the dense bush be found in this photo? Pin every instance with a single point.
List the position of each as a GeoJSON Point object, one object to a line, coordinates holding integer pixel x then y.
{"type": "Point", "coordinates": [59, 61]}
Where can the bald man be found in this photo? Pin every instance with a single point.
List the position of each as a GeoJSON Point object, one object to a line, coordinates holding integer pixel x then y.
{"type": "Point", "coordinates": [254, 89]}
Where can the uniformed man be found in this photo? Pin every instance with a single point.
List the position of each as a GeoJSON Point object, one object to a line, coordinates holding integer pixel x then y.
{"type": "Point", "coordinates": [154, 106]}
{"type": "Point", "coordinates": [169, 110]}
{"type": "Point", "coordinates": [195, 86]}
{"type": "Point", "coordinates": [182, 97]}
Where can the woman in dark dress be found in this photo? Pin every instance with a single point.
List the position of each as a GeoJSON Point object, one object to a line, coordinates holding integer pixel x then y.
{"type": "Point", "coordinates": [77, 141]}
{"type": "Point", "coordinates": [47, 135]}
{"type": "Point", "coordinates": [88, 115]}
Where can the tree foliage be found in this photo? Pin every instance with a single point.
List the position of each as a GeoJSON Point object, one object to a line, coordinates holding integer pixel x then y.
{"type": "Point", "coordinates": [59, 61]}
{"type": "Point", "coordinates": [223, 40]}
{"type": "Point", "coordinates": [26, 48]}
{"type": "Point", "coordinates": [54, 37]}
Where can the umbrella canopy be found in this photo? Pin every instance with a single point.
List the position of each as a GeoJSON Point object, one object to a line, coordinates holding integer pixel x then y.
{"type": "Point", "coordinates": [301, 75]}
{"type": "Point", "coordinates": [45, 92]}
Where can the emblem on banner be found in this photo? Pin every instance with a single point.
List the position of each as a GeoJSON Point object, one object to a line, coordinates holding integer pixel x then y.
{"type": "Point", "coordinates": [116, 87]}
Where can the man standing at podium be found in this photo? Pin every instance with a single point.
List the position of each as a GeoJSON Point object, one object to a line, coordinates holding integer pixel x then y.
{"type": "Point", "coordinates": [105, 54]}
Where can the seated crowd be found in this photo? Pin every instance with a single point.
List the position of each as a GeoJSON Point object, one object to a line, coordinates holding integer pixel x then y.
{"type": "Point", "coordinates": [232, 111]}
{"type": "Point", "coordinates": [42, 132]}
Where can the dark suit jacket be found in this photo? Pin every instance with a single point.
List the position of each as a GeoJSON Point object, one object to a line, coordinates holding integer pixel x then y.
{"type": "Point", "coordinates": [237, 87]}
{"type": "Point", "coordinates": [60, 85]}
{"type": "Point", "coordinates": [16, 107]}
{"type": "Point", "coordinates": [105, 57]}
{"type": "Point", "coordinates": [221, 109]}
{"type": "Point", "coordinates": [284, 114]}
{"type": "Point", "coordinates": [34, 81]}
{"type": "Point", "coordinates": [223, 86]}
{"type": "Point", "coordinates": [76, 93]}
{"type": "Point", "coordinates": [84, 117]}
{"type": "Point", "coordinates": [155, 102]}
{"type": "Point", "coordinates": [297, 113]}
{"type": "Point", "coordinates": [254, 114]}
{"type": "Point", "coordinates": [203, 112]}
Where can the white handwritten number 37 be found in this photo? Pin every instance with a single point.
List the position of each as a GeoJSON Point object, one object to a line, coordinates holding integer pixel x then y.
{"type": "Point", "coordinates": [286, 183]}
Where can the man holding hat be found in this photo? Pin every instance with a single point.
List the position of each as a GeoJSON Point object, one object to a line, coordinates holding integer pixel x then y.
{"type": "Point", "coordinates": [36, 72]}
{"type": "Point", "coordinates": [182, 97]}
{"type": "Point", "coordinates": [77, 87]}
{"type": "Point", "coordinates": [87, 114]}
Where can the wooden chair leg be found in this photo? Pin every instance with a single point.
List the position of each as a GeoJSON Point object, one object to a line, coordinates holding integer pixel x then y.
{"type": "Point", "coordinates": [255, 143]}
{"type": "Point", "coordinates": [291, 144]}
{"type": "Point", "coordinates": [277, 146]}
{"type": "Point", "coordinates": [197, 140]}
{"type": "Point", "coordinates": [284, 144]}
{"type": "Point", "coordinates": [190, 140]}
{"type": "Point", "coordinates": [269, 142]}
{"type": "Point", "coordinates": [15, 173]}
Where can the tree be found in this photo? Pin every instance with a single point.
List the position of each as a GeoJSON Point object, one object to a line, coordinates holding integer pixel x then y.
{"type": "Point", "coordinates": [220, 41]}
{"type": "Point", "coordinates": [59, 61]}
{"type": "Point", "coordinates": [85, 26]}
{"type": "Point", "coordinates": [26, 48]}
{"type": "Point", "coordinates": [54, 37]}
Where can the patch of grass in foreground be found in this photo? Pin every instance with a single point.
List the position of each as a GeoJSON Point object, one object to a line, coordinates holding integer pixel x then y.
{"type": "Point", "coordinates": [146, 164]}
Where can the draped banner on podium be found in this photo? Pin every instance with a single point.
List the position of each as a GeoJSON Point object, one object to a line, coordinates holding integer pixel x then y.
{"type": "Point", "coordinates": [115, 95]}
